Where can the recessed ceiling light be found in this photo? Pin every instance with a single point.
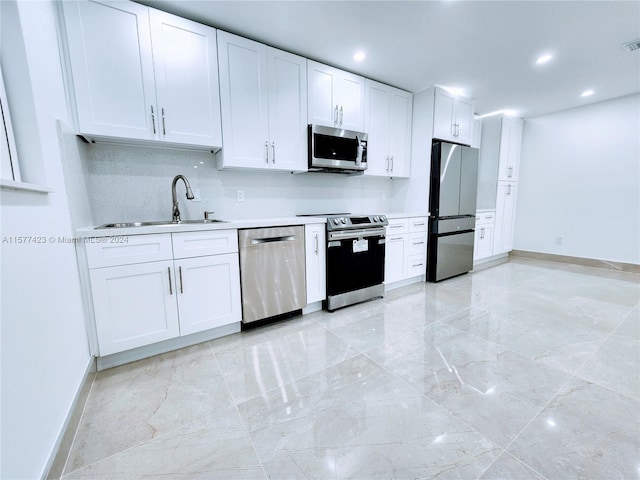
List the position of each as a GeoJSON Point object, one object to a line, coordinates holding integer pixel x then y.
{"type": "Point", "coordinates": [359, 56]}
{"type": "Point", "coordinates": [587, 93]}
{"type": "Point", "coordinates": [543, 59]}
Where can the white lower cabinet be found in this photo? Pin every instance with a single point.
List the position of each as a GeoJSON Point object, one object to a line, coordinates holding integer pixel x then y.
{"type": "Point", "coordinates": [406, 249]}
{"type": "Point", "coordinates": [139, 299]}
{"type": "Point", "coordinates": [316, 260]}
{"type": "Point", "coordinates": [505, 217]}
{"type": "Point", "coordinates": [134, 305]}
{"type": "Point", "coordinates": [394, 258]}
{"type": "Point", "coordinates": [483, 242]}
{"type": "Point", "coordinates": [208, 292]}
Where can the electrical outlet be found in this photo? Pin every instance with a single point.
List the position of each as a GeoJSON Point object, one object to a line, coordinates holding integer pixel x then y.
{"type": "Point", "coordinates": [196, 195]}
{"type": "Point", "coordinates": [559, 240]}
{"type": "Point", "coordinates": [240, 195]}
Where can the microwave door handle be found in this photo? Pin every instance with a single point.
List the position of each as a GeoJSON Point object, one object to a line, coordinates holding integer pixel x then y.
{"type": "Point", "coordinates": [359, 154]}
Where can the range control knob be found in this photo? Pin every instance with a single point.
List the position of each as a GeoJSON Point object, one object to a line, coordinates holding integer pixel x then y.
{"type": "Point", "coordinates": [344, 221]}
{"type": "Point", "coordinates": [376, 218]}
{"type": "Point", "coordinates": [336, 221]}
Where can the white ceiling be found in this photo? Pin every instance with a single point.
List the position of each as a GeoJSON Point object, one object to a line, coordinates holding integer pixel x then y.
{"type": "Point", "coordinates": [486, 48]}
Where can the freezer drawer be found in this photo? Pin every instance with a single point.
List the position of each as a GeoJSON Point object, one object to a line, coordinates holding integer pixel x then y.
{"type": "Point", "coordinates": [450, 255]}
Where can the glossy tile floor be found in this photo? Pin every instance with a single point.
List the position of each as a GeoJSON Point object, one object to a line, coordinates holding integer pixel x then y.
{"type": "Point", "coordinates": [528, 370]}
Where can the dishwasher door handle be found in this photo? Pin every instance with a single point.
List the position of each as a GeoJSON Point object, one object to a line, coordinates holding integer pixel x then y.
{"type": "Point", "coordinates": [286, 238]}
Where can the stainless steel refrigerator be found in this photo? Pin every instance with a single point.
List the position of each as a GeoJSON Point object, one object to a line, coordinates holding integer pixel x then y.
{"type": "Point", "coordinates": [452, 207]}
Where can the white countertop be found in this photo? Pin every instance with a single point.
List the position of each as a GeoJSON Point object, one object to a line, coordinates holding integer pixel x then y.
{"type": "Point", "coordinates": [191, 227]}
{"type": "Point", "coordinates": [231, 224]}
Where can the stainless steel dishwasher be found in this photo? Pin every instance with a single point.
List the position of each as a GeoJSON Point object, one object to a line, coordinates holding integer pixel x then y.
{"type": "Point", "coordinates": [272, 271]}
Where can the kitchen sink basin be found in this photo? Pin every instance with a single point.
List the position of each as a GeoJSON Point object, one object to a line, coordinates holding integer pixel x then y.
{"type": "Point", "coordinates": [160, 223]}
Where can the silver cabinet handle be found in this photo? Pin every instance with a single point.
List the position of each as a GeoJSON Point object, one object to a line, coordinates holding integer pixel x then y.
{"type": "Point", "coordinates": [164, 127]}
{"type": "Point", "coordinates": [417, 264]}
{"type": "Point", "coordinates": [510, 172]}
{"type": "Point", "coordinates": [170, 285]}
{"type": "Point", "coordinates": [395, 226]}
{"type": "Point", "coordinates": [273, 148]}
{"type": "Point", "coordinates": [392, 164]}
{"type": "Point", "coordinates": [180, 275]}
{"type": "Point", "coordinates": [481, 233]}
{"type": "Point", "coordinates": [508, 189]}
{"type": "Point", "coordinates": [266, 152]}
{"type": "Point", "coordinates": [418, 243]}
{"type": "Point", "coordinates": [153, 120]}
{"type": "Point", "coordinates": [341, 115]}
{"type": "Point", "coordinates": [335, 116]}
{"type": "Point", "coordinates": [421, 224]}
{"type": "Point", "coordinates": [388, 164]}
{"type": "Point", "coordinates": [317, 243]}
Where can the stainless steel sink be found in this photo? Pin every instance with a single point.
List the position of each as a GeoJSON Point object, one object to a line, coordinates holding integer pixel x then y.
{"type": "Point", "coordinates": [160, 223]}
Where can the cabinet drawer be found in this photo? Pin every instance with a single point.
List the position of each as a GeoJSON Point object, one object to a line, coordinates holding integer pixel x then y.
{"type": "Point", "coordinates": [485, 217]}
{"type": "Point", "coordinates": [418, 224]}
{"type": "Point", "coordinates": [398, 226]}
{"type": "Point", "coordinates": [416, 265]}
{"type": "Point", "coordinates": [199, 244]}
{"type": "Point", "coordinates": [417, 243]}
{"type": "Point", "coordinates": [125, 250]}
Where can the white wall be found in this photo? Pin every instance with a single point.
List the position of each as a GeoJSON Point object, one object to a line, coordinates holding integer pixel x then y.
{"type": "Point", "coordinates": [44, 352]}
{"type": "Point", "coordinates": [580, 179]}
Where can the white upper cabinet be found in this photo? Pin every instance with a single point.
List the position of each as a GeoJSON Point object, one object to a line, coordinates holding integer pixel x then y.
{"type": "Point", "coordinates": [112, 68]}
{"type": "Point", "coordinates": [140, 74]}
{"type": "Point", "coordinates": [185, 60]}
{"type": "Point", "coordinates": [452, 117]}
{"type": "Point", "coordinates": [388, 116]}
{"type": "Point", "coordinates": [264, 106]}
{"type": "Point", "coordinates": [510, 148]}
{"type": "Point", "coordinates": [336, 97]}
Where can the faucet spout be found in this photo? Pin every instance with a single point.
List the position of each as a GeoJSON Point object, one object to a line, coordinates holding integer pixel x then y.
{"type": "Point", "coordinates": [174, 196]}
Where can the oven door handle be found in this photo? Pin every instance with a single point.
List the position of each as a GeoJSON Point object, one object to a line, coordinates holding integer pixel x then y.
{"type": "Point", "coordinates": [355, 234]}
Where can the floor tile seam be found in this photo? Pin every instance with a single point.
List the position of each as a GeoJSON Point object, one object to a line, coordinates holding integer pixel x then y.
{"type": "Point", "coordinates": [162, 436]}
{"type": "Point", "coordinates": [543, 477]}
{"type": "Point", "coordinates": [75, 434]}
{"type": "Point", "coordinates": [442, 407]}
{"type": "Point", "coordinates": [295, 380]}
{"type": "Point", "coordinates": [237, 410]}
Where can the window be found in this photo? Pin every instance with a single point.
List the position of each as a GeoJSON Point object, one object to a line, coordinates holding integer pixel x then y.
{"type": "Point", "coordinates": [9, 169]}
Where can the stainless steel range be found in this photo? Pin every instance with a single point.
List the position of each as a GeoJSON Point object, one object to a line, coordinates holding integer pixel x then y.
{"type": "Point", "coordinates": [355, 258]}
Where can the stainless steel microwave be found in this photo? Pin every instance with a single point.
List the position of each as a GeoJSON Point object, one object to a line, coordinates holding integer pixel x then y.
{"type": "Point", "coordinates": [335, 150]}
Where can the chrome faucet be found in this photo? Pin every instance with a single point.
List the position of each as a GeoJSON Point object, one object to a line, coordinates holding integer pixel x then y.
{"type": "Point", "coordinates": [176, 210]}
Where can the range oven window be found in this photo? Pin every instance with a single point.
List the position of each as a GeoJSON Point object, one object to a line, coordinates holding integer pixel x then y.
{"type": "Point", "coordinates": [353, 264]}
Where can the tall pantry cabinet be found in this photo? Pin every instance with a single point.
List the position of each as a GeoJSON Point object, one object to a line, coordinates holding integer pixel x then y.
{"type": "Point", "coordinates": [498, 178]}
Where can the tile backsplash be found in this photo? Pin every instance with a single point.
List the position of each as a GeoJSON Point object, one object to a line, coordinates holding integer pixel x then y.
{"type": "Point", "coordinates": [128, 183]}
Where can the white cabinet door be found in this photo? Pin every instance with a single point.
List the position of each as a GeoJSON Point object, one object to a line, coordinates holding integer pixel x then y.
{"type": "Point", "coordinates": [400, 121]}
{"type": "Point", "coordinates": [112, 68]}
{"type": "Point", "coordinates": [444, 115]}
{"type": "Point", "coordinates": [388, 117]}
{"type": "Point", "coordinates": [316, 259]}
{"type": "Point", "coordinates": [287, 111]}
{"type": "Point", "coordinates": [134, 305]}
{"type": "Point", "coordinates": [336, 97]}
{"type": "Point", "coordinates": [452, 117]}
{"type": "Point", "coordinates": [377, 127]}
{"type": "Point", "coordinates": [208, 292]}
{"type": "Point", "coordinates": [185, 60]}
{"type": "Point", "coordinates": [244, 101]}
{"type": "Point", "coordinates": [483, 246]}
{"type": "Point", "coordinates": [505, 215]}
{"type": "Point", "coordinates": [323, 104]}
{"type": "Point", "coordinates": [464, 120]}
{"type": "Point", "coordinates": [510, 148]}
{"type": "Point", "coordinates": [395, 258]}
{"type": "Point", "coordinates": [351, 101]}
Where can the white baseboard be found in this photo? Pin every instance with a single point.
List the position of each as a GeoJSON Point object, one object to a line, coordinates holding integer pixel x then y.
{"type": "Point", "coordinates": [58, 457]}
